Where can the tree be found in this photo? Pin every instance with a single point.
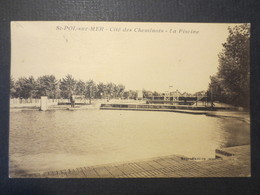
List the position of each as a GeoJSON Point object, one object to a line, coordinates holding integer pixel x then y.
{"type": "Point", "coordinates": [91, 89]}
{"type": "Point", "coordinates": [12, 87]}
{"type": "Point", "coordinates": [67, 86]}
{"type": "Point", "coordinates": [121, 89]}
{"type": "Point", "coordinates": [132, 94]}
{"type": "Point", "coordinates": [101, 90]}
{"type": "Point", "coordinates": [147, 94]}
{"type": "Point", "coordinates": [126, 94]}
{"type": "Point", "coordinates": [80, 88]}
{"type": "Point", "coordinates": [232, 78]}
{"type": "Point", "coordinates": [25, 87]}
{"type": "Point", "coordinates": [111, 89]}
{"type": "Point", "coordinates": [47, 85]}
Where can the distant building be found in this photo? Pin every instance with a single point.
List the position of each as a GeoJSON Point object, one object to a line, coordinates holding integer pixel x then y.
{"type": "Point", "coordinates": [185, 94]}
{"type": "Point", "coordinates": [175, 94]}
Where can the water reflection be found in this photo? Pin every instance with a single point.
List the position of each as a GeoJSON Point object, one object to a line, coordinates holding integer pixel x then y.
{"type": "Point", "coordinates": [55, 140]}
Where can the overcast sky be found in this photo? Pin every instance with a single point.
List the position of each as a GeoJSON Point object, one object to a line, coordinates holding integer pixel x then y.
{"type": "Point", "coordinates": [165, 56]}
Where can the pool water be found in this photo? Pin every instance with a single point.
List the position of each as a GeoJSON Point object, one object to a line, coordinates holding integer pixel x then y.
{"type": "Point", "coordinates": [61, 139]}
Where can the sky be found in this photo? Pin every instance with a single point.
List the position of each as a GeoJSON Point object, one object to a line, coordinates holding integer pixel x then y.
{"type": "Point", "coordinates": [151, 56]}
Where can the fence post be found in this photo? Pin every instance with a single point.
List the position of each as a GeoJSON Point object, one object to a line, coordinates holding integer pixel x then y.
{"type": "Point", "coordinates": [44, 103]}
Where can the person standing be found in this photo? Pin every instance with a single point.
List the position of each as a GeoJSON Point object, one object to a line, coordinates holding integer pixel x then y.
{"type": "Point", "coordinates": [72, 101]}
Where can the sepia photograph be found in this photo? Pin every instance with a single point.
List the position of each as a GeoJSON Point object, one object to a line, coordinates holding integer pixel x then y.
{"type": "Point", "coordinates": [129, 100]}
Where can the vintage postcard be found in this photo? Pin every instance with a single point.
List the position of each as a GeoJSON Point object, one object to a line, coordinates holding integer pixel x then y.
{"type": "Point", "coordinates": [129, 100]}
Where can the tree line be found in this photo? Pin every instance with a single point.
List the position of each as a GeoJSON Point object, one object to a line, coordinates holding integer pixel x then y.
{"type": "Point", "coordinates": [231, 83]}
{"type": "Point", "coordinates": [48, 85]}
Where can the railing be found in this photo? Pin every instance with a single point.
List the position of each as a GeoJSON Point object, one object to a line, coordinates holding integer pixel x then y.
{"type": "Point", "coordinates": [30, 101]}
{"type": "Point", "coordinates": [152, 107]}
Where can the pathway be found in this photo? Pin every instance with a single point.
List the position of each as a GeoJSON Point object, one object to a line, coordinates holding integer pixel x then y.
{"type": "Point", "coordinates": [231, 162]}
